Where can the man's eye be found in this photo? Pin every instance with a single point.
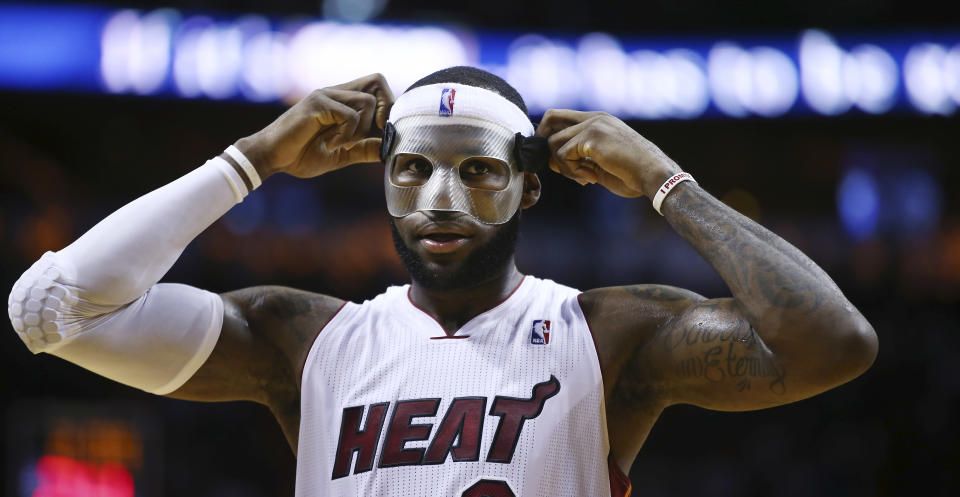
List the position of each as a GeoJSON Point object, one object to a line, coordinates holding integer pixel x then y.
{"type": "Point", "coordinates": [476, 168]}
{"type": "Point", "coordinates": [410, 170]}
{"type": "Point", "coordinates": [485, 173]}
{"type": "Point", "coordinates": [416, 166]}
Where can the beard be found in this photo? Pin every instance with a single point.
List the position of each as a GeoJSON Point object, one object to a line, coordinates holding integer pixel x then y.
{"type": "Point", "coordinates": [483, 264]}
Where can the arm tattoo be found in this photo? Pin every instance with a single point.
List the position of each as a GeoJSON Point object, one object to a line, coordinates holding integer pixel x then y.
{"type": "Point", "coordinates": [730, 353]}
{"type": "Point", "coordinates": [764, 272]}
{"type": "Point", "coordinates": [777, 290]}
{"type": "Point", "coordinates": [656, 293]}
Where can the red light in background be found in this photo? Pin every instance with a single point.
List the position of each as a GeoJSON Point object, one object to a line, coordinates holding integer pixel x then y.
{"type": "Point", "coordinates": [59, 476]}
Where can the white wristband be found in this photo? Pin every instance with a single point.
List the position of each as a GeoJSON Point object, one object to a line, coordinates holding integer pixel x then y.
{"type": "Point", "coordinates": [667, 186]}
{"type": "Point", "coordinates": [232, 176]}
{"type": "Point", "coordinates": [245, 164]}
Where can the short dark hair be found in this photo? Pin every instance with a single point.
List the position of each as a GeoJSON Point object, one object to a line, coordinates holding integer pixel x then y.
{"type": "Point", "coordinates": [466, 75]}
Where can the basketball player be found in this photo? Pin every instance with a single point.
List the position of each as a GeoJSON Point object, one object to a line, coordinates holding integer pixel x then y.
{"type": "Point", "coordinates": [474, 379]}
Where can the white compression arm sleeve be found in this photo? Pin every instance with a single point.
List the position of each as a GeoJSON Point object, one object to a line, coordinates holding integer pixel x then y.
{"type": "Point", "coordinates": [97, 303]}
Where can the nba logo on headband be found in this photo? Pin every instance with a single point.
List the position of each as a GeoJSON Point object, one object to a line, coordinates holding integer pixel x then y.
{"type": "Point", "coordinates": [446, 101]}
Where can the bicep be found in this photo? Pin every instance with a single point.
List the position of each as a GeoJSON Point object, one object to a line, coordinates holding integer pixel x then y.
{"type": "Point", "coordinates": [236, 367]}
{"type": "Point", "coordinates": [266, 334]}
{"type": "Point", "coordinates": [709, 355]}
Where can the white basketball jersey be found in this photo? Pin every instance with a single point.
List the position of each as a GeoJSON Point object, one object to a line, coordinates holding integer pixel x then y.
{"type": "Point", "coordinates": [510, 405]}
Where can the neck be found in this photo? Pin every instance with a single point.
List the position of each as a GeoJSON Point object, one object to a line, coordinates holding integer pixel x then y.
{"type": "Point", "coordinates": [453, 308]}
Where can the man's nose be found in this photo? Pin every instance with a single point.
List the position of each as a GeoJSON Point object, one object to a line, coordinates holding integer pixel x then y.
{"type": "Point", "coordinates": [440, 190]}
{"type": "Point", "coordinates": [441, 216]}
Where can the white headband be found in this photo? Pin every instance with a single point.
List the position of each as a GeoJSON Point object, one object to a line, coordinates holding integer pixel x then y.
{"type": "Point", "coordinates": [452, 99]}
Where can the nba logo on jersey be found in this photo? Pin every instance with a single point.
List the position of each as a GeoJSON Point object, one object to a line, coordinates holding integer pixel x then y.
{"type": "Point", "coordinates": [446, 101]}
{"type": "Point", "coordinates": [540, 334]}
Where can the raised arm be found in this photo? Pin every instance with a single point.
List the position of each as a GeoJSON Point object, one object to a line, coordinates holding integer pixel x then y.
{"type": "Point", "coordinates": [97, 302]}
{"type": "Point", "coordinates": [787, 333]}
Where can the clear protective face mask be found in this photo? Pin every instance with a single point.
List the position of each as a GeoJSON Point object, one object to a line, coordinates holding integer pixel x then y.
{"type": "Point", "coordinates": [452, 163]}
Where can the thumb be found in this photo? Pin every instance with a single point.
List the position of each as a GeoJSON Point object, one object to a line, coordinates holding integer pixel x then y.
{"type": "Point", "coordinates": [365, 150]}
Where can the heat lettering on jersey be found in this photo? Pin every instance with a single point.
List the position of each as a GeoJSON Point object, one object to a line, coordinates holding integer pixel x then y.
{"type": "Point", "coordinates": [464, 419]}
{"type": "Point", "coordinates": [513, 413]}
{"type": "Point", "coordinates": [363, 441]}
{"type": "Point", "coordinates": [403, 430]}
{"type": "Point", "coordinates": [462, 423]}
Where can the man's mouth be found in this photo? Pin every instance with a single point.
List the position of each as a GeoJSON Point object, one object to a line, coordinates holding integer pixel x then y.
{"type": "Point", "coordinates": [442, 240]}
{"type": "Point", "coordinates": [443, 237]}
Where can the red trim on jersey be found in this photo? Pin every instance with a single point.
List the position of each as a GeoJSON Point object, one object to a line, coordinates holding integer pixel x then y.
{"type": "Point", "coordinates": [620, 485]}
{"type": "Point", "coordinates": [304, 365]}
{"type": "Point", "coordinates": [451, 335]}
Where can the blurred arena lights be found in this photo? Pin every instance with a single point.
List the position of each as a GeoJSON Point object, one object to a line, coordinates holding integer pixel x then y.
{"type": "Point", "coordinates": [75, 449]}
{"type": "Point", "coordinates": [833, 79]}
{"type": "Point", "coordinates": [167, 52]}
{"type": "Point", "coordinates": [932, 77]}
{"type": "Point", "coordinates": [889, 199]}
{"type": "Point", "coordinates": [858, 202]}
{"type": "Point", "coordinates": [58, 476]}
{"type": "Point", "coordinates": [916, 201]}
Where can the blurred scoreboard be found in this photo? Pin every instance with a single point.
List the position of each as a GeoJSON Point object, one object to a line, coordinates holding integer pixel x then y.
{"type": "Point", "coordinates": [67, 449]}
{"type": "Point", "coordinates": [174, 53]}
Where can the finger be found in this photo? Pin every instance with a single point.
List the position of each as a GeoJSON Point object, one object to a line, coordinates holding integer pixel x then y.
{"type": "Point", "coordinates": [338, 121]}
{"type": "Point", "coordinates": [588, 171]}
{"type": "Point", "coordinates": [566, 168]}
{"type": "Point", "coordinates": [582, 172]}
{"type": "Point", "coordinates": [578, 149]}
{"type": "Point", "coordinates": [576, 158]}
{"type": "Point", "coordinates": [557, 119]}
{"type": "Point", "coordinates": [365, 106]}
{"type": "Point", "coordinates": [561, 167]}
{"type": "Point", "coordinates": [560, 138]}
{"type": "Point", "coordinates": [385, 100]}
{"type": "Point", "coordinates": [376, 85]}
{"type": "Point", "coordinates": [579, 169]}
{"type": "Point", "coordinates": [363, 151]}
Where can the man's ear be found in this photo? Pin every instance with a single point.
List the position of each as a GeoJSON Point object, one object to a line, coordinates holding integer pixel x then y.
{"type": "Point", "coordinates": [531, 190]}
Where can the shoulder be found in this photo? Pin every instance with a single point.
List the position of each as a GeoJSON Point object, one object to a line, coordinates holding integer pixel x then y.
{"type": "Point", "coordinates": [624, 318]}
{"type": "Point", "coordinates": [652, 301]}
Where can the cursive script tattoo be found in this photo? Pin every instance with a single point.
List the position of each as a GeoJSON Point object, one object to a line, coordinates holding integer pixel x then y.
{"type": "Point", "coordinates": [719, 363]}
{"type": "Point", "coordinates": [714, 343]}
{"type": "Point", "coordinates": [718, 331]}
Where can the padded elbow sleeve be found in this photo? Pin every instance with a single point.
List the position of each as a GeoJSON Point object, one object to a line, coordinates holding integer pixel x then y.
{"type": "Point", "coordinates": [154, 343]}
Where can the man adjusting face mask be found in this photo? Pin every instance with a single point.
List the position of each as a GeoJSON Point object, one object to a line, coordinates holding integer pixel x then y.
{"type": "Point", "coordinates": [450, 147]}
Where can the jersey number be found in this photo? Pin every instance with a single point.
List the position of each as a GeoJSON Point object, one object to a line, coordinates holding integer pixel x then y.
{"type": "Point", "coordinates": [489, 488]}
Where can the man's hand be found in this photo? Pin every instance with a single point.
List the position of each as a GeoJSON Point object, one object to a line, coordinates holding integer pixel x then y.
{"type": "Point", "coordinates": [595, 147]}
{"type": "Point", "coordinates": [328, 129]}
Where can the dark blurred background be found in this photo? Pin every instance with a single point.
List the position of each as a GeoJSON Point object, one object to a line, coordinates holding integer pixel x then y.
{"type": "Point", "coordinates": [870, 196]}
